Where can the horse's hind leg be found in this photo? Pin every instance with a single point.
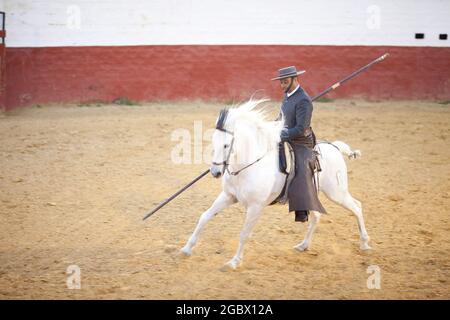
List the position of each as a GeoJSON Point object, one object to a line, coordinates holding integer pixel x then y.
{"type": "Point", "coordinates": [223, 201]}
{"type": "Point", "coordinates": [251, 218]}
{"type": "Point", "coordinates": [348, 202]}
{"type": "Point", "coordinates": [314, 219]}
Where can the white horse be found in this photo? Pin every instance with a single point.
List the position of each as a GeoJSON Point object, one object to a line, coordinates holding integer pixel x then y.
{"type": "Point", "coordinates": [246, 156]}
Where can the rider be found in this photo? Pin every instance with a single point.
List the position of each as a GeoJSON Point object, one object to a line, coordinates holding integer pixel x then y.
{"type": "Point", "coordinates": [297, 111]}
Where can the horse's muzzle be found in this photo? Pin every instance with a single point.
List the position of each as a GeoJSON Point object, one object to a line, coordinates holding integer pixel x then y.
{"type": "Point", "coordinates": [215, 171]}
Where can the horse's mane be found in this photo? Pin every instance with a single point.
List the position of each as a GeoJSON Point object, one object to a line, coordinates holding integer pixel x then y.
{"type": "Point", "coordinates": [250, 115]}
{"type": "Point", "coordinates": [249, 112]}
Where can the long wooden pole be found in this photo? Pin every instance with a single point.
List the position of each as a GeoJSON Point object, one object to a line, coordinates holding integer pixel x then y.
{"type": "Point", "coordinates": [354, 74]}
{"type": "Point", "coordinates": [162, 204]}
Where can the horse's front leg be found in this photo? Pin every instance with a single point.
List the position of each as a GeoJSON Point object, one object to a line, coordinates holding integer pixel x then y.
{"type": "Point", "coordinates": [304, 245]}
{"type": "Point", "coordinates": [223, 201]}
{"type": "Point", "coordinates": [253, 213]}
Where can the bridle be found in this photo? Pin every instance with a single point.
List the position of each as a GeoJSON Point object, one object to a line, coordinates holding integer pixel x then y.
{"type": "Point", "coordinates": [226, 162]}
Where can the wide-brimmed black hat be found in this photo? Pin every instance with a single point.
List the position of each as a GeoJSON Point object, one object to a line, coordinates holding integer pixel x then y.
{"type": "Point", "coordinates": [288, 72]}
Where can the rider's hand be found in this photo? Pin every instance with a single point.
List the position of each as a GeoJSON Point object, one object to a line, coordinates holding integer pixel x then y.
{"type": "Point", "coordinates": [284, 135]}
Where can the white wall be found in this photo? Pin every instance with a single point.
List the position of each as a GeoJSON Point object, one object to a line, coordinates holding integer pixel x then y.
{"type": "Point", "coordinates": [41, 23]}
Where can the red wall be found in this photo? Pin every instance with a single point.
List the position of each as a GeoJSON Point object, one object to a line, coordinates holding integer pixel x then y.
{"type": "Point", "coordinates": [73, 74]}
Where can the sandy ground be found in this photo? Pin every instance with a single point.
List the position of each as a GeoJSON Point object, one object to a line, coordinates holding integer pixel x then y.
{"type": "Point", "coordinates": [76, 182]}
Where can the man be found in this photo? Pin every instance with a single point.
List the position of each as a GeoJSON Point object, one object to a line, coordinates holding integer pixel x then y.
{"type": "Point", "coordinates": [297, 112]}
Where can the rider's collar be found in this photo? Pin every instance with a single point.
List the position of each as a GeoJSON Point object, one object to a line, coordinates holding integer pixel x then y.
{"type": "Point", "coordinates": [292, 92]}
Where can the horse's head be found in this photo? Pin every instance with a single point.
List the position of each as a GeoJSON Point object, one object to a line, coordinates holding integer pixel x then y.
{"type": "Point", "coordinates": [242, 134]}
{"type": "Point", "coordinates": [222, 142]}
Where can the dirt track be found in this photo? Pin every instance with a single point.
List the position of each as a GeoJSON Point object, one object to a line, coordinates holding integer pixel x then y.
{"type": "Point", "coordinates": [76, 181]}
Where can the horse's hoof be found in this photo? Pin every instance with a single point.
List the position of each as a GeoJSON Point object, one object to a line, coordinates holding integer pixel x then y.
{"type": "Point", "coordinates": [301, 247]}
{"type": "Point", "coordinates": [229, 266]}
{"type": "Point", "coordinates": [365, 247]}
{"type": "Point", "coordinates": [226, 268]}
{"type": "Point", "coordinates": [185, 252]}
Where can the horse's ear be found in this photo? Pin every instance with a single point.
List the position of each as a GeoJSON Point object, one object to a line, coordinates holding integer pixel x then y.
{"type": "Point", "coordinates": [220, 124]}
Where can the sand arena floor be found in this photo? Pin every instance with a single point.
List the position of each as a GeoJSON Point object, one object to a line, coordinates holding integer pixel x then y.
{"type": "Point", "coordinates": [76, 181]}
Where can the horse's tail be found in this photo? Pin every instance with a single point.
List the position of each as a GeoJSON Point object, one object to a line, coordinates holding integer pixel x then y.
{"type": "Point", "coordinates": [345, 149]}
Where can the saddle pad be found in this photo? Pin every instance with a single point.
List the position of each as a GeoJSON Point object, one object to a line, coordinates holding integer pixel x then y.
{"type": "Point", "coordinates": [290, 169]}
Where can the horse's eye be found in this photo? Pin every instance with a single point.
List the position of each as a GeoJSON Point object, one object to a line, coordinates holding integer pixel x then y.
{"type": "Point", "coordinates": [226, 146]}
